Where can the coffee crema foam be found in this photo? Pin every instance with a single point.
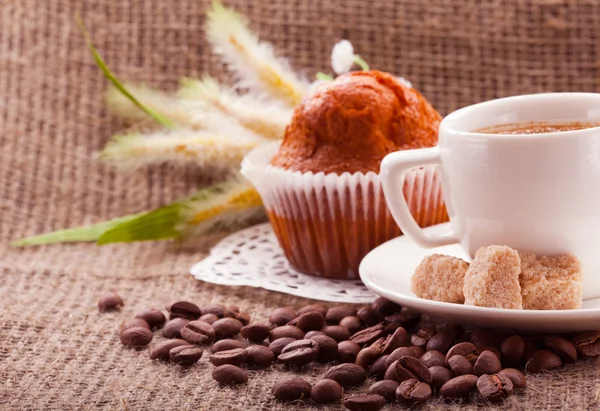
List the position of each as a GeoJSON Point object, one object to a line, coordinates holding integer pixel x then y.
{"type": "Point", "coordinates": [537, 127]}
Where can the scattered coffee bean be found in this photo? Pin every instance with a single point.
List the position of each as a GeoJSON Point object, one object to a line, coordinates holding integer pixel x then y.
{"type": "Point", "coordinates": [460, 365]}
{"type": "Point", "coordinates": [412, 391]}
{"type": "Point", "coordinates": [530, 349]}
{"type": "Point", "coordinates": [378, 369]}
{"type": "Point", "coordinates": [226, 328]}
{"type": "Point", "coordinates": [244, 318]}
{"type": "Point", "coordinates": [390, 372]}
{"type": "Point", "coordinates": [364, 402]}
{"type": "Point", "coordinates": [347, 375]}
{"type": "Point", "coordinates": [185, 355]}
{"type": "Point", "coordinates": [184, 309]}
{"type": "Point", "coordinates": [259, 356]}
{"type": "Point", "coordinates": [309, 335]}
{"type": "Point", "coordinates": [299, 352]}
{"type": "Point", "coordinates": [337, 332]}
{"type": "Point", "coordinates": [433, 358]}
{"type": "Point", "coordinates": [417, 352]}
{"type": "Point", "coordinates": [441, 341]}
{"type": "Point", "coordinates": [517, 377]}
{"type": "Point", "coordinates": [256, 332]}
{"type": "Point", "coordinates": [217, 310]}
{"type": "Point", "coordinates": [234, 308]}
{"type": "Point", "coordinates": [136, 336]}
{"type": "Point", "coordinates": [369, 335]}
{"type": "Point", "coordinates": [335, 314]}
{"type": "Point", "coordinates": [136, 322]}
{"type": "Point", "coordinates": [237, 356]}
{"type": "Point", "coordinates": [326, 392]}
{"type": "Point", "coordinates": [401, 352]}
{"type": "Point", "coordinates": [208, 318]}
{"type": "Point", "coordinates": [483, 339]}
{"type": "Point", "coordinates": [313, 307]}
{"type": "Point", "coordinates": [513, 349]}
{"type": "Point", "coordinates": [494, 388]}
{"type": "Point", "coordinates": [310, 321]}
{"type": "Point", "coordinates": [466, 349]}
{"type": "Point", "coordinates": [172, 328]}
{"type": "Point", "coordinates": [421, 337]}
{"type": "Point", "coordinates": [587, 343]}
{"type": "Point", "coordinates": [282, 315]}
{"type": "Point", "coordinates": [369, 316]}
{"type": "Point", "coordinates": [459, 387]}
{"type": "Point", "coordinates": [352, 323]}
{"type": "Point", "coordinates": [561, 347]}
{"type": "Point", "coordinates": [487, 363]}
{"type": "Point", "coordinates": [279, 344]}
{"type": "Point", "coordinates": [398, 339]}
{"type": "Point", "coordinates": [110, 302]}
{"type": "Point", "coordinates": [227, 344]}
{"type": "Point", "coordinates": [385, 388]}
{"type": "Point", "coordinates": [406, 317]}
{"type": "Point", "coordinates": [230, 375]}
{"type": "Point", "coordinates": [543, 360]}
{"type": "Point", "coordinates": [439, 376]}
{"type": "Point", "coordinates": [410, 367]}
{"type": "Point", "coordinates": [368, 355]}
{"type": "Point", "coordinates": [290, 331]}
{"type": "Point", "coordinates": [385, 307]}
{"type": "Point", "coordinates": [293, 389]}
{"type": "Point", "coordinates": [161, 350]}
{"type": "Point", "coordinates": [328, 347]}
{"type": "Point", "coordinates": [198, 332]}
{"type": "Point", "coordinates": [153, 317]}
{"type": "Point", "coordinates": [348, 351]}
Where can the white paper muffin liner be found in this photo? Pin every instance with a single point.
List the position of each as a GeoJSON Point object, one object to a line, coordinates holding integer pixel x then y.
{"type": "Point", "coordinates": [326, 223]}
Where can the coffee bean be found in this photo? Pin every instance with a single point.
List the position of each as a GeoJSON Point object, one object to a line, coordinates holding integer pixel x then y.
{"type": "Point", "coordinates": [417, 352]}
{"type": "Point", "coordinates": [161, 350]}
{"type": "Point", "coordinates": [208, 318]}
{"type": "Point", "coordinates": [587, 343]}
{"type": "Point", "coordinates": [439, 376]}
{"type": "Point", "coordinates": [136, 337]}
{"type": "Point", "coordinates": [530, 349]}
{"type": "Point", "coordinates": [337, 332]}
{"type": "Point", "coordinates": [378, 369]}
{"type": "Point", "coordinates": [172, 328]}
{"type": "Point", "coordinates": [153, 317]}
{"type": "Point", "coordinates": [198, 332]}
{"type": "Point", "coordinates": [460, 365]}
{"type": "Point", "coordinates": [347, 375]}
{"type": "Point", "coordinates": [406, 317]}
{"type": "Point", "coordinates": [244, 318]}
{"type": "Point", "coordinates": [369, 335]}
{"type": "Point", "coordinates": [348, 351]}
{"type": "Point", "coordinates": [226, 328]}
{"type": "Point", "coordinates": [352, 323]}
{"type": "Point", "coordinates": [136, 322]}
{"type": "Point", "coordinates": [326, 392]}
{"type": "Point", "coordinates": [467, 350]}
{"type": "Point", "coordinates": [369, 316]}
{"type": "Point", "coordinates": [398, 339]}
{"type": "Point", "coordinates": [483, 339]}
{"type": "Point", "coordinates": [184, 309]}
{"type": "Point", "coordinates": [433, 358]}
{"type": "Point", "coordinates": [293, 389]}
{"type": "Point", "coordinates": [217, 310]}
{"type": "Point", "coordinates": [517, 377]}
{"type": "Point", "coordinates": [459, 387]}
{"type": "Point", "coordinates": [494, 388]}
{"type": "Point", "coordinates": [279, 344]}
{"type": "Point", "coordinates": [513, 349]}
{"type": "Point", "coordinates": [362, 402]}
{"type": "Point", "coordinates": [259, 356]}
{"type": "Point", "coordinates": [185, 355]}
{"type": "Point", "coordinates": [401, 352]}
{"type": "Point", "coordinates": [390, 372]}
{"type": "Point", "coordinates": [282, 315]}
{"type": "Point", "coordinates": [290, 331]}
{"type": "Point", "coordinates": [441, 341]}
{"type": "Point", "coordinates": [309, 335]}
{"type": "Point", "coordinates": [409, 367]}
{"type": "Point", "coordinates": [421, 337]}
{"type": "Point", "coordinates": [543, 360]}
{"type": "Point", "coordinates": [256, 332]}
{"type": "Point", "coordinates": [328, 347]}
{"type": "Point", "coordinates": [411, 392]}
{"type": "Point", "coordinates": [110, 302]}
{"type": "Point", "coordinates": [227, 344]}
{"type": "Point", "coordinates": [313, 307]}
{"type": "Point", "coordinates": [335, 314]}
{"type": "Point", "coordinates": [299, 352]}
{"type": "Point", "coordinates": [385, 388]}
{"type": "Point", "coordinates": [237, 356]}
{"type": "Point", "coordinates": [230, 375]}
{"type": "Point", "coordinates": [561, 347]}
{"type": "Point", "coordinates": [487, 363]}
{"type": "Point", "coordinates": [234, 308]}
{"type": "Point", "coordinates": [368, 355]}
{"type": "Point", "coordinates": [310, 321]}
{"type": "Point", "coordinates": [385, 307]}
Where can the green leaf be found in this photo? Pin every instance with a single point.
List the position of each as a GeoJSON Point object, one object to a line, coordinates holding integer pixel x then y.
{"type": "Point", "coordinates": [77, 234]}
{"type": "Point", "coordinates": [363, 64]}
{"type": "Point", "coordinates": [159, 118]}
{"type": "Point", "coordinates": [324, 77]}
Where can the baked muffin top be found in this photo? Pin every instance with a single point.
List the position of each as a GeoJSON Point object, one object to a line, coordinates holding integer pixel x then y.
{"type": "Point", "coordinates": [350, 124]}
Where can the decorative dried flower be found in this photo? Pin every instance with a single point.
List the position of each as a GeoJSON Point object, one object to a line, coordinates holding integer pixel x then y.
{"type": "Point", "coordinates": [342, 57]}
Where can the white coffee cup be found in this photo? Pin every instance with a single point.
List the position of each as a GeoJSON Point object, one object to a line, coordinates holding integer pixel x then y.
{"type": "Point", "coordinates": [537, 193]}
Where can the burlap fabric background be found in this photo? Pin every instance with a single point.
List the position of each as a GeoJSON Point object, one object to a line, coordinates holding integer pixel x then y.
{"type": "Point", "coordinates": [56, 351]}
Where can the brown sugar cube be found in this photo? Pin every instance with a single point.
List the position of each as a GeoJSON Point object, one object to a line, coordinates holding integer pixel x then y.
{"type": "Point", "coordinates": [527, 260]}
{"type": "Point", "coordinates": [492, 279]}
{"type": "Point", "coordinates": [552, 283]}
{"type": "Point", "coordinates": [441, 278]}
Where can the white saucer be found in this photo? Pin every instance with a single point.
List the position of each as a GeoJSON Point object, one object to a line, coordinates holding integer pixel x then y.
{"type": "Point", "coordinates": [387, 270]}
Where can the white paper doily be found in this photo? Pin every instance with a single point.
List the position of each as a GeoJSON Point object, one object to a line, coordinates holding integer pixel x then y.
{"type": "Point", "coordinates": [252, 257]}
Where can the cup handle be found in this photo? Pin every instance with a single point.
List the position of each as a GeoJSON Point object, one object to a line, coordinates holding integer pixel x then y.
{"type": "Point", "coordinates": [393, 171]}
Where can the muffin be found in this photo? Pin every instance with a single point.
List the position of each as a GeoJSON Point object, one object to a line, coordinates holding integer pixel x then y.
{"type": "Point", "coordinates": [321, 185]}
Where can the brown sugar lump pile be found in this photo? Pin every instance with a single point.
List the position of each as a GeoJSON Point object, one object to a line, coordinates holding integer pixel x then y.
{"type": "Point", "coordinates": [441, 278]}
{"type": "Point", "coordinates": [551, 283]}
{"type": "Point", "coordinates": [492, 279]}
